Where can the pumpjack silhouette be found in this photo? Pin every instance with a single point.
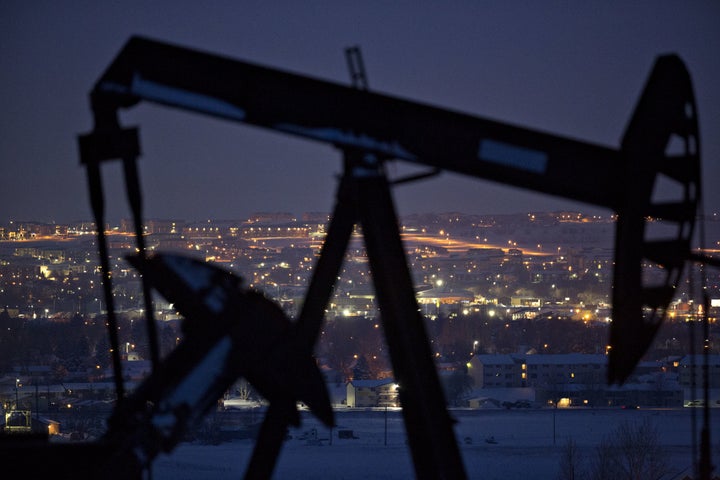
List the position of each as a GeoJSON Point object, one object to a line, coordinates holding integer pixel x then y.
{"type": "Point", "coordinates": [231, 331]}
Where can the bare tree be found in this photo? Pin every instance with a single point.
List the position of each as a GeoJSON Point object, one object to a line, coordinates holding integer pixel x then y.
{"type": "Point", "coordinates": [632, 452]}
{"type": "Point", "coordinates": [571, 463]}
{"type": "Point", "coordinates": [604, 464]}
{"type": "Point", "coordinates": [243, 389]}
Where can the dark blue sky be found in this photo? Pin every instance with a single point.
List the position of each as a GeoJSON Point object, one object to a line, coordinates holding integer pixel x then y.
{"type": "Point", "coordinates": [574, 69]}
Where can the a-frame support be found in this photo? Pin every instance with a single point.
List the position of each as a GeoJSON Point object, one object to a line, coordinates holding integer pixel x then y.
{"type": "Point", "coordinates": [364, 198]}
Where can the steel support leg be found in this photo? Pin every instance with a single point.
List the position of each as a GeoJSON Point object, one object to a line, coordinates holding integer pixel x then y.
{"type": "Point", "coordinates": [428, 424]}
{"type": "Point", "coordinates": [272, 432]}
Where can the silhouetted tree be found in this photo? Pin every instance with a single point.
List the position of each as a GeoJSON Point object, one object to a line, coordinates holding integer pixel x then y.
{"type": "Point", "coordinates": [455, 386]}
{"type": "Point", "coordinates": [631, 452]}
{"type": "Point", "coordinates": [571, 462]}
{"type": "Point", "coordinates": [361, 371]}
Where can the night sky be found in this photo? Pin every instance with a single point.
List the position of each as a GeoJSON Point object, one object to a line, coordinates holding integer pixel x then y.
{"type": "Point", "coordinates": [571, 68]}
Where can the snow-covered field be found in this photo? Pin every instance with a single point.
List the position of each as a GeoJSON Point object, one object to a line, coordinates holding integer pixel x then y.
{"type": "Point", "coordinates": [529, 445]}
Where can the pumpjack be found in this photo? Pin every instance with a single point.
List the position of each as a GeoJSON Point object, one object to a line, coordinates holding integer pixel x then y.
{"type": "Point", "coordinates": [223, 317]}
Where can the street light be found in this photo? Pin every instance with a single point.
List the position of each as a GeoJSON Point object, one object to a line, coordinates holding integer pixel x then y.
{"type": "Point", "coordinates": [17, 384]}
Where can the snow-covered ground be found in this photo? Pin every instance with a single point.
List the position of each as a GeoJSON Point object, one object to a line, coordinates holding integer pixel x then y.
{"type": "Point", "coordinates": [529, 445]}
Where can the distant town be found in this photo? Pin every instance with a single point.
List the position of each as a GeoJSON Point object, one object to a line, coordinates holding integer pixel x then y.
{"type": "Point", "coordinates": [517, 308]}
